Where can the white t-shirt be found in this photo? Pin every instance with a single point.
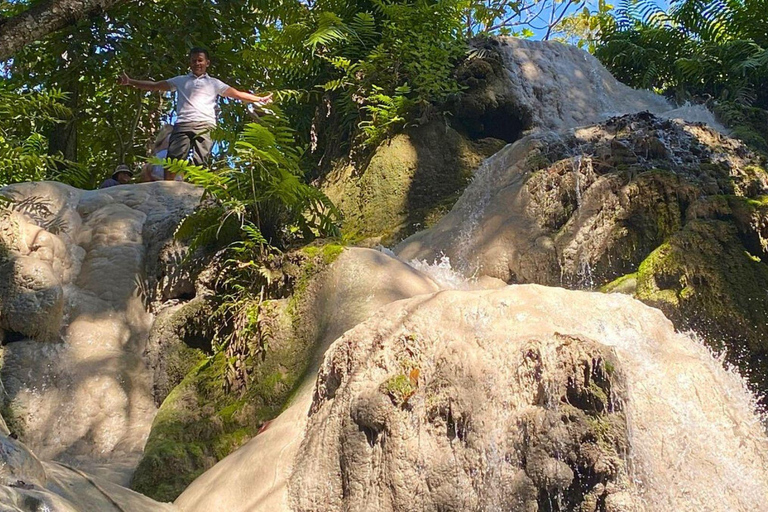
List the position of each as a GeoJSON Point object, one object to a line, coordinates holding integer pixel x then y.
{"type": "Point", "coordinates": [196, 97]}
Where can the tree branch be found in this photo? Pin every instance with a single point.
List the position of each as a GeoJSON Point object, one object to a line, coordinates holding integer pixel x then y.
{"type": "Point", "coordinates": [44, 18]}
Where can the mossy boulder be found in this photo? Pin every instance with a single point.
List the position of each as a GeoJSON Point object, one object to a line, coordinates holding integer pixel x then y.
{"type": "Point", "coordinates": [408, 183]}
{"type": "Point", "coordinates": [674, 213]}
{"type": "Point", "coordinates": [710, 276]}
{"type": "Point", "coordinates": [705, 279]}
{"type": "Point", "coordinates": [178, 342]}
{"type": "Point", "coordinates": [417, 401]}
{"type": "Point", "coordinates": [748, 124]}
{"type": "Point", "coordinates": [209, 413]}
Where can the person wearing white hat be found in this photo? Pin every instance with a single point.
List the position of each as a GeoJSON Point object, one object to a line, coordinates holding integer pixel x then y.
{"type": "Point", "coordinates": [122, 175]}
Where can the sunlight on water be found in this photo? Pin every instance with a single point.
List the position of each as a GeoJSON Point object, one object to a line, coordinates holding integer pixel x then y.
{"type": "Point", "coordinates": [697, 439]}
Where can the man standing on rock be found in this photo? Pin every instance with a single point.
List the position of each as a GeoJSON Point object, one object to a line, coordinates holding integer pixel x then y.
{"type": "Point", "coordinates": [196, 96]}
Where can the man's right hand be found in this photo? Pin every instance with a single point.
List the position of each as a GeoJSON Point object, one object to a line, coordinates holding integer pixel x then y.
{"type": "Point", "coordinates": [124, 79]}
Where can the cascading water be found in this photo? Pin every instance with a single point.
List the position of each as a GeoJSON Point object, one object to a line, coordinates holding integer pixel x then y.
{"type": "Point", "coordinates": [694, 442]}
{"type": "Point", "coordinates": [451, 381]}
{"type": "Point", "coordinates": [483, 192]}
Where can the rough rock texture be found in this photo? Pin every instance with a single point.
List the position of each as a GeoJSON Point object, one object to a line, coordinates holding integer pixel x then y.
{"type": "Point", "coordinates": [205, 416]}
{"type": "Point", "coordinates": [409, 182]}
{"type": "Point", "coordinates": [586, 206]}
{"type": "Point", "coordinates": [513, 87]}
{"type": "Point", "coordinates": [178, 342]}
{"type": "Point", "coordinates": [706, 278]}
{"type": "Point", "coordinates": [526, 398]}
{"type": "Point", "coordinates": [518, 84]}
{"type": "Point", "coordinates": [76, 386]}
{"type": "Point", "coordinates": [589, 206]}
{"type": "Point", "coordinates": [255, 477]}
{"type": "Point", "coordinates": [29, 485]}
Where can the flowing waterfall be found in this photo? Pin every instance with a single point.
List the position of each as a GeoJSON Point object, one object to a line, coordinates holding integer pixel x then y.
{"type": "Point", "coordinates": [81, 393]}
{"type": "Point", "coordinates": [695, 442]}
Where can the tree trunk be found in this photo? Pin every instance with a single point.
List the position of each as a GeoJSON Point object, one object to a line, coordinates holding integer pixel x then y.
{"type": "Point", "coordinates": [63, 136]}
{"type": "Point", "coordinates": [42, 19]}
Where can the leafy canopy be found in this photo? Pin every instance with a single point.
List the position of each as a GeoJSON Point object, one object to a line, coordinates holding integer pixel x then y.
{"type": "Point", "coordinates": [24, 152]}
{"type": "Point", "coordinates": [699, 49]}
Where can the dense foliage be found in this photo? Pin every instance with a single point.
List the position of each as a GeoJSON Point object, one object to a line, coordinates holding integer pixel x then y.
{"type": "Point", "coordinates": [713, 51]}
{"type": "Point", "coordinates": [258, 194]}
{"type": "Point", "coordinates": [342, 68]}
{"type": "Point", "coordinates": [24, 154]}
{"type": "Point", "coordinates": [717, 48]}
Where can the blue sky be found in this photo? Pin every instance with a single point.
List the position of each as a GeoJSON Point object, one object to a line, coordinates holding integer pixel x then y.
{"type": "Point", "coordinates": [592, 5]}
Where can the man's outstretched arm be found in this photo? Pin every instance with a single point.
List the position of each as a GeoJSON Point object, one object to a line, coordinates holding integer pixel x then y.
{"type": "Point", "coordinates": [145, 85]}
{"type": "Point", "coordinates": [246, 96]}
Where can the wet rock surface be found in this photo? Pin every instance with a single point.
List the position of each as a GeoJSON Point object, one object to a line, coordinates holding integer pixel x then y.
{"type": "Point", "coordinates": [77, 388]}
{"type": "Point", "coordinates": [349, 291]}
{"type": "Point", "coordinates": [29, 485]}
{"type": "Point", "coordinates": [600, 203]}
{"type": "Point", "coordinates": [515, 85]}
{"type": "Point", "coordinates": [520, 398]}
{"type": "Point", "coordinates": [508, 400]}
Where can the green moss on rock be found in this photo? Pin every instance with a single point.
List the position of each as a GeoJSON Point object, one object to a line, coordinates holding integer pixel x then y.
{"type": "Point", "coordinates": [202, 420]}
{"type": "Point", "coordinates": [410, 181]}
{"type": "Point", "coordinates": [749, 124]}
{"type": "Point", "coordinates": [626, 284]}
{"type": "Point", "coordinates": [178, 342]}
{"type": "Point", "coordinates": [703, 278]}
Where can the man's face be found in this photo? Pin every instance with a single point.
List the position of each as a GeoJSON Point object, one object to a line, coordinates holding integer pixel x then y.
{"type": "Point", "coordinates": [123, 177]}
{"type": "Point", "coordinates": [198, 63]}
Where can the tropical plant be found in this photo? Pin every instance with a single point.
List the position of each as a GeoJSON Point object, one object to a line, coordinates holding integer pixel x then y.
{"type": "Point", "coordinates": [257, 205]}
{"type": "Point", "coordinates": [362, 70]}
{"type": "Point", "coordinates": [331, 63]}
{"type": "Point", "coordinates": [584, 28]}
{"type": "Point", "coordinates": [24, 154]}
{"type": "Point", "coordinates": [698, 50]}
{"type": "Point", "coordinates": [111, 124]}
{"type": "Point", "coordinates": [257, 195]}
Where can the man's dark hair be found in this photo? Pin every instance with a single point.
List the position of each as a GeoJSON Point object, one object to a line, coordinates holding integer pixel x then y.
{"type": "Point", "coordinates": [197, 49]}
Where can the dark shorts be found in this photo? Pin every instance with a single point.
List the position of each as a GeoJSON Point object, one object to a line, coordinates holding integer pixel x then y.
{"type": "Point", "coordinates": [194, 136]}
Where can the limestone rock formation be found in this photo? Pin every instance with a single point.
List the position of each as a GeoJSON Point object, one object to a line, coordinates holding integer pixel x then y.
{"type": "Point", "coordinates": [408, 183]}
{"type": "Point", "coordinates": [513, 87]}
{"type": "Point", "coordinates": [27, 485]}
{"type": "Point", "coordinates": [526, 398]}
{"type": "Point", "coordinates": [363, 386]}
{"type": "Point", "coordinates": [358, 283]}
{"type": "Point", "coordinates": [587, 205]}
{"type": "Point", "coordinates": [72, 302]}
{"type": "Point", "coordinates": [678, 202]}
{"type": "Point", "coordinates": [204, 413]}
{"type": "Point", "coordinates": [516, 85]}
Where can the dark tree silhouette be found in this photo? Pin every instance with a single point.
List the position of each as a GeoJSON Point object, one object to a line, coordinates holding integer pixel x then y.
{"type": "Point", "coordinates": [42, 19]}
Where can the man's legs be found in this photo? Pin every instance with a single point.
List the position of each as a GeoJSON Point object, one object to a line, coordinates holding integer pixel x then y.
{"type": "Point", "coordinates": [178, 148]}
{"type": "Point", "coordinates": [201, 146]}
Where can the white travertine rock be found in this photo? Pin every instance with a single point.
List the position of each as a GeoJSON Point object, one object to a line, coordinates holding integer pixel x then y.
{"type": "Point", "coordinates": [28, 485]}
{"type": "Point", "coordinates": [561, 86]}
{"type": "Point", "coordinates": [491, 414]}
{"type": "Point", "coordinates": [500, 358]}
{"type": "Point", "coordinates": [73, 287]}
{"type": "Point", "coordinates": [255, 477]}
